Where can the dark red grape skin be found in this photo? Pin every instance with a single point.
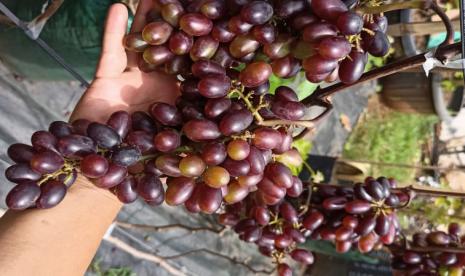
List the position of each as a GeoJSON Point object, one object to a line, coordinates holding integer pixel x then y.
{"type": "Point", "coordinates": [286, 110]}
{"type": "Point", "coordinates": [120, 122]}
{"type": "Point", "coordinates": [201, 130]}
{"type": "Point", "coordinates": [103, 135]}
{"type": "Point", "coordinates": [236, 168]}
{"type": "Point", "coordinates": [143, 121]}
{"type": "Point", "coordinates": [204, 48]}
{"type": "Point", "coordinates": [222, 33]}
{"type": "Point", "coordinates": [269, 188]}
{"type": "Point", "coordinates": [114, 175]}
{"type": "Point", "coordinates": [43, 140]}
{"type": "Point", "coordinates": [209, 199]}
{"type": "Point", "coordinates": [204, 68]}
{"type": "Point", "coordinates": [168, 165]}
{"type": "Point", "coordinates": [214, 86]}
{"type": "Point", "coordinates": [350, 23]}
{"type": "Point", "coordinates": [279, 174]}
{"type": "Point", "coordinates": [214, 154]}
{"type": "Point", "coordinates": [334, 47]}
{"type": "Point", "coordinates": [328, 9]}
{"type": "Point", "coordinates": [23, 195]}
{"type": "Point", "coordinates": [126, 156]}
{"type": "Point", "coordinates": [302, 256]}
{"type": "Point", "coordinates": [149, 187]}
{"type": "Point", "coordinates": [94, 166]}
{"type": "Point", "coordinates": [238, 26]}
{"type": "Point", "coordinates": [284, 270]}
{"type": "Point", "coordinates": [195, 24]}
{"type": "Point", "coordinates": [46, 162]}
{"type": "Point", "coordinates": [317, 65]}
{"type": "Point", "coordinates": [126, 191]}
{"type": "Point", "coordinates": [60, 129]}
{"type": "Point", "coordinates": [243, 45]}
{"type": "Point", "coordinates": [141, 139]}
{"type": "Point", "coordinates": [255, 74]}
{"type": "Point", "coordinates": [235, 122]}
{"type": "Point", "coordinates": [166, 114]}
{"type": "Point", "coordinates": [264, 33]}
{"type": "Point", "coordinates": [167, 140]}
{"type": "Point", "coordinates": [351, 69]}
{"type": "Point", "coordinates": [51, 194]}
{"type": "Point", "coordinates": [180, 43]}
{"type": "Point", "coordinates": [20, 153]}
{"type": "Point", "coordinates": [21, 172]}
{"type": "Point", "coordinates": [76, 146]}
{"type": "Point", "coordinates": [179, 190]}
{"type": "Point", "coordinates": [216, 107]}
{"type": "Point", "coordinates": [317, 31]}
{"type": "Point", "coordinates": [257, 12]}
{"type": "Point", "coordinates": [266, 138]}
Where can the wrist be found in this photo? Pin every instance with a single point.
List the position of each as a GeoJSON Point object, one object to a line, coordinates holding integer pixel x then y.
{"type": "Point", "coordinates": [84, 188]}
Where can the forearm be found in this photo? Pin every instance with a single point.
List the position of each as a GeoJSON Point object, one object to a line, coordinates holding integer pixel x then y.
{"type": "Point", "coordinates": [57, 241]}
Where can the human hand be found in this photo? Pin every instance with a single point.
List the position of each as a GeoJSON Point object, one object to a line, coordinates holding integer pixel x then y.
{"type": "Point", "coordinates": [118, 83]}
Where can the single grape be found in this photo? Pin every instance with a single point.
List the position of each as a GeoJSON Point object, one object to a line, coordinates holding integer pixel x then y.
{"type": "Point", "coordinates": [76, 146]}
{"type": "Point", "coordinates": [46, 161]}
{"type": "Point", "coordinates": [179, 190]}
{"type": "Point", "coordinates": [214, 86]}
{"type": "Point", "coordinates": [120, 122]}
{"type": "Point", "coordinates": [204, 48]}
{"type": "Point", "coordinates": [283, 241]}
{"type": "Point", "coordinates": [209, 199]}
{"type": "Point", "coordinates": [21, 172]}
{"type": "Point", "coordinates": [126, 191]}
{"type": "Point", "coordinates": [149, 187]}
{"type": "Point", "coordinates": [438, 238]}
{"type": "Point", "coordinates": [375, 190]}
{"type": "Point", "coordinates": [143, 121]}
{"type": "Point", "coordinates": [142, 140]}
{"type": "Point", "coordinates": [172, 12]}
{"type": "Point", "coordinates": [357, 207]}
{"type": "Point", "coordinates": [302, 256]}
{"type": "Point", "coordinates": [280, 47]}
{"type": "Point", "coordinates": [411, 257]}
{"type": "Point", "coordinates": [236, 192]}
{"type": "Point", "coordinates": [20, 153]}
{"type": "Point", "coordinates": [216, 107]}
{"type": "Point", "coordinates": [238, 26]}
{"type": "Point", "coordinates": [60, 129]}
{"type": "Point", "coordinates": [214, 154]}
{"type": "Point", "coordinates": [251, 234]}
{"type": "Point", "coordinates": [203, 68]}
{"type": "Point", "coordinates": [255, 74]}
{"type": "Point", "coordinates": [317, 31]}
{"type": "Point", "coordinates": [352, 67]}
{"type": "Point", "coordinates": [201, 130]}
{"type": "Point", "coordinates": [157, 33]}
{"type": "Point", "coordinates": [268, 187]}
{"type": "Point", "coordinates": [103, 135]}
{"type": "Point", "coordinates": [23, 195]}
{"type": "Point", "coordinates": [242, 45]}
{"type": "Point", "coordinates": [52, 193]}
{"type": "Point", "coordinates": [167, 140]}
{"type": "Point", "coordinates": [238, 149]}
{"type": "Point", "coordinates": [157, 55]}
{"type": "Point", "coordinates": [328, 10]}
{"type": "Point", "coordinates": [284, 270]}
{"type": "Point", "coordinates": [236, 168]}
{"type": "Point", "coordinates": [317, 65]}
{"type": "Point", "coordinates": [287, 110]}
{"type": "Point", "coordinates": [261, 215]}
{"type": "Point", "coordinates": [43, 140]}
{"type": "Point", "coordinates": [235, 122]}
{"type": "Point", "coordinates": [383, 223]}
{"type": "Point", "coordinates": [366, 225]}
{"type": "Point", "coordinates": [134, 42]}
{"type": "Point", "coordinates": [114, 175]}
{"type": "Point", "coordinates": [288, 212]}
{"type": "Point", "coordinates": [180, 43]}
{"type": "Point", "coordinates": [302, 20]}
{"type": "Point", "coordinates": [257, 12]}
{"type": "Point", "coordinates": [94, 166]}
{"type": "Point", "coordinates": [192, 166]}
{"type": "Point", "coordinates": [227, 219]}
{"type": "Point", "coordinates": [264, 33]}
{"type": "Point", "coordinates": [266, 138]}
{"type": "Point", "coordinates": [256, 160]}
{"type": "Point", "coordinates": [349, 23]}
{"type": "Point", "coordinates": [279, 174]}
{"type": "Point", "coordinates": [250, 180]}
{"type": "Point", "coordinates": [126, 156]}
{"type": "Point", "coordinates": [367, 242]}
{"type": "Point", "coordinates": [224, 58]}
{"type": "Point", "coordinates": [334, 47]}
{"type": "Point", "coordinates": [296, 189]}
{"type": "Point", "coordinates": [195, 24]}
{"type": "Point", "coordinates": [168, 165]}
{"type": "Point", "coordinates": [378, 45]}
{"type": "Point", "coordinates": [213, 9]}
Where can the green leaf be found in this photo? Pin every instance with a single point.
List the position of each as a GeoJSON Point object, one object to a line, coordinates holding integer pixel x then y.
{"type": "Point", "coordinates": [303, 147]}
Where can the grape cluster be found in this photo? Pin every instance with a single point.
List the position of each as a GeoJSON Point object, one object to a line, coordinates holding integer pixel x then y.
{"type": "Point", "coordinates": [362, 216]}
{"type": "Point", "coordinates": [428, 253]}
{"type": "Point", "coordinates": [324, 37]}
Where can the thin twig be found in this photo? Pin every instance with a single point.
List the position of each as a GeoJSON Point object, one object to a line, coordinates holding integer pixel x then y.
{"type": "Point", "coordinates": [231, 259]}
{"type": "Point", "coordinates": [143, 255]}
{"type": "Point", "coordinates": [407, 166]}
{"type": "Point", "coordinates": [421, 191]}
{"type": "Point", "coordinates": [163, 228]}
{"type": "Point", "coordinates": [431, 249]}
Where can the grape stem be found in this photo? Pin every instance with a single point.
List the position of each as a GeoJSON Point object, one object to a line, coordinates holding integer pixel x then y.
{"type": "Point", "coordinates": [430, 249]}
{"type": "Point", "coordinates": [429, 192]}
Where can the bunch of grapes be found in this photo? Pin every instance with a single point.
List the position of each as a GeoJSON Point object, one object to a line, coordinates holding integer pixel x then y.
{"type": "Point", "coordinates": [362, 216]}
{"type": "Point", "coordinates": [430, 253]}
{"type": "Point", "coordinates": [325, 37]}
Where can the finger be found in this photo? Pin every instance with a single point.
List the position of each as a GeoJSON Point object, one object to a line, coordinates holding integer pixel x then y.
{"type": "Point", "coordinates": [140, 20]}
{"type": "Point", "coordinates": [113, 58]}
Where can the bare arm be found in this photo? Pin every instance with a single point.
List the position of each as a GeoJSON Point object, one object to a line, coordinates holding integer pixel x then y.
{"type": "Point", "coordinates": [63, 240]}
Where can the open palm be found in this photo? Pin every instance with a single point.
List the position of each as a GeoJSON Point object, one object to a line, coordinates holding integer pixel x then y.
{"type": "Point", "coordinates": [118, 83]}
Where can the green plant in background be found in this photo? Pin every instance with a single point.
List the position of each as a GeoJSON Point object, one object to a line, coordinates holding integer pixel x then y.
{"type": "Point", "coordinates": [113, 271]}
{"type": "Point", "coordinates": [391, 137]}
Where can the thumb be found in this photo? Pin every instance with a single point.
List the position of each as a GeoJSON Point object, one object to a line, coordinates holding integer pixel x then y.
{"type": "Point", "coordinates": [113, 58]}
